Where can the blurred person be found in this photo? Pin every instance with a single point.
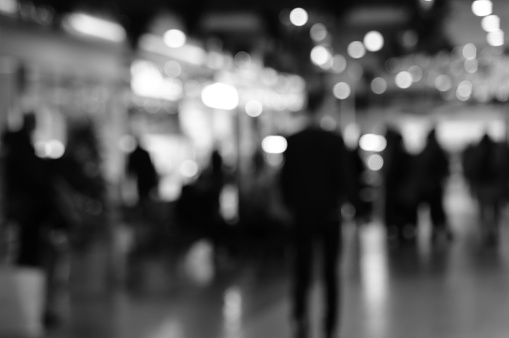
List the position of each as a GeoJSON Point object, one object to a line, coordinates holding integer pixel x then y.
{"type": "Point", "coordinates": [362, 207]}
{"type": "Point", "coordinates": [33, 205]}
{"type": "Point", "coordinates": [432, 166]}
{"type": "Point", "coordinates": [313, 181]}
{"type": "Point", "coordinates": [489, 167]}
{"type": "Point", "coordinates": [141, 168]}
{"type": "Point", "coordinates": [401, 190]}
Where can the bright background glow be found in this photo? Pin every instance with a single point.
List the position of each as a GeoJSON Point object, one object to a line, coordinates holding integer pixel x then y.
{"type": "Point", "coordinates": [220, 96]}
{"type": "Point", "coordinates": [298, 17]}
{"type": "Point", "coordinates": [174, 38]}
{"type": "Point", "coordinates": [491, 23]}
{"type": "Point", "coordinates": [189, 168]}
{"type": "Point", "coordinates": [274, 144]}
{"type": "Point", "coordinates": [496, 39]}
{"type": "Point", "coordinates": [338, 63]}
{"type": "Point", "coordinates": [373, 41]}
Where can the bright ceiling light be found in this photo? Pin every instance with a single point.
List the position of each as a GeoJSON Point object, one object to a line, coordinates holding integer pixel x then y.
{"type": "Point", "coordinates": [356, 49]}
{"type": "Point", "coordinates": [374, 41]}
{"type": "Point", "coordinates": [482, 7]}
{"type": "Point", "coordinates": [298, 17]}
{"type": "Point", "coordinates": [174, 38]}
{"type": "Point", "coordinates": [89, 25]}
{"type": "Point", "coordinates": [496, 39]}
{"type": "Point", "coordinates": [490, 23]}
{"type": "Point", "coordinates": [220, 96]}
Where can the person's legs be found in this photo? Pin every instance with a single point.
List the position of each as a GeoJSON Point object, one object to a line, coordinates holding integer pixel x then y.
{"type": "Point", "coordinates": [331, 241]}
{"type": "Point", "coordinates": [303, 248]}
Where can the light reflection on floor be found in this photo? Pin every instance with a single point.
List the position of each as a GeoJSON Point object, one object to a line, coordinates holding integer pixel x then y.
{"type": "Point", "coordinates": [459, 290]}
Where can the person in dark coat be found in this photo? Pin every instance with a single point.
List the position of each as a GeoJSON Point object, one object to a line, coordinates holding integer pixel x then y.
{"type": "Point", "coordinates": [433, 170]}
{"type": "Point", "coordinates": [142, 169]}
{"type": "Point", "coordinates": [401, 190]}
{"type": "Point", "coordinates": [312, 185]}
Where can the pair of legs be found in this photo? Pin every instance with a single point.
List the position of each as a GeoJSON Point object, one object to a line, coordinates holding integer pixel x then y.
{"type": "Point", "coordinates": [326, 233]}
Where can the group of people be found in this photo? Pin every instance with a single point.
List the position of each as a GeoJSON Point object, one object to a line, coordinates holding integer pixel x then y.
{"type": "Point", "coordinates": [411, 181]}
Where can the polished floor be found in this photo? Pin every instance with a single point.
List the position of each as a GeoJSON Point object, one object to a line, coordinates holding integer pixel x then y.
{"type": "Point", "coordinates": [456, 290]}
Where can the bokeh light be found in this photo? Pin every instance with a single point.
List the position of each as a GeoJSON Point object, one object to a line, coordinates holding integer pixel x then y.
{"type": "Point", "coordinates": [375, 162]}
{"type": "Point", "coordinates": [338, 63]}
{"type": "Point", "coordinates": [175, 38]}
{"type": "Point", "coordinates": [172, 68]}
{"type": "Point", "coordinates": [356, 49]}
{"type": "Point", "coordinates": [443, 83]}
{"type": "Point", "coordinates": [254, 108]}
{"type": "Point", "coordinates": [404, 80]}
{"type": "Point", "coordinates": [496, 39]}
{"type": "Point", "coordinates": [189, 168]}
{"type": "Point", "coordinates": [320, 55]}
{"type": "Point", "coordinates": [378, 85]}
{"type": "Point", "coordinates": [242, 59]}
{"type": "Point", "coordinates": [491, 23]}
{"type": "Point", "coordinates": [299, 17]}
{"type": "Point", "coordinates": [464, 90]}
{"type": "Point", "coordinates": [469, 51]}
{"type": "Point", "coordinates": [274, 144]}
{"type": "Point", "coordinates": [318, 32]}
{"type": "Point", "coordinates": [341, 90]}
{"type": "Point", "coordinates": [482, 7]}
{"type": "Point", "coordinates": [372, 142]}
{"type": "Point", "coordinates": [373, 41]}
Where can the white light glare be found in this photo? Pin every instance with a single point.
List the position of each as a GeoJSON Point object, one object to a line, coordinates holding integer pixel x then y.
{"type": "Point", "coordinates": [254, 108]}
{"type": "Point", "coordinates": [220, 96]}
{"type": "Point", "coordinates": [318, 32]}
{"type": "Point", "coordinates": [482, 7]}
{"type": "Point", "coordinates": [174, 38]}
{"type": "Point", "coordinates": [320, 55]}
{"type": "Point", "coordinates": [372, 142]}
{"type": "Point", "coordinates": [491, 23]}
{"type": "Point", "coordinates": [341, 90]}
{"type": "Point", "coordinates": [93, 26]}
{"type": "Point", "coordinates": [356, 49]}
{"type": "Point", "coordinates": [404, 80]}
{"type": "Point", "coordinates": [496, 39]}
{"type": "Point", "coordinates": [298, 17]}
{"type": "Point", "coordinates": [373, 41]}
{"type": "Point", "coordinates": [274, 144]}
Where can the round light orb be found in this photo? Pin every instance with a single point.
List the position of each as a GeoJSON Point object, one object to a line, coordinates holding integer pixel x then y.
{"type": "Point", "coordinates": [482, 7]}
{"type": "Point", "coordinates": [404, 80]}
{"type": "Point", "coordinates": [174, 38]}
{"type": "Point", "coordinates": [318, 32]}
{"type": "Point", "coordinates": [373, 41]}
{"type": "Point", "coordinates": [299, 17]}
{"type": "Point", "coordinates": [356, 49]}
{"type": "Point", "coordinates": [378, 85]}
{"type": "Point", "coordinates": [341, 90]}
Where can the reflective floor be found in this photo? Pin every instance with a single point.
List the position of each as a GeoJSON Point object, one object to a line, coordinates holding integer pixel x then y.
{"type": "Point", "coordinates": [451, 290]}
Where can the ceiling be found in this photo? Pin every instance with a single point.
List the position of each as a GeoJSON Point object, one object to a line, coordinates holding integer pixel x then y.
{"type": "Point", "coordinates": [262, 25]}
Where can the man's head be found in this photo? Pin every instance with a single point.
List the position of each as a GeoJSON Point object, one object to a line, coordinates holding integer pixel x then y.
{"type": "Point", "coordinates": [315, 100]}
{"type": "Point", "coordinates": [29, 122]}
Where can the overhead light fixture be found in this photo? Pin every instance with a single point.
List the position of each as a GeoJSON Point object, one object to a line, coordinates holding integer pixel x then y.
{"type": "Point", "coordinates": [482, 7]}
{"type": "Point", "coordinates": [86, 24]}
